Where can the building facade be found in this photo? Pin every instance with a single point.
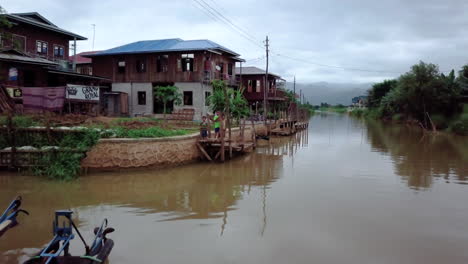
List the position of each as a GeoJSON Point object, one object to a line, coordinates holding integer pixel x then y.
{"type": "Point", "coordinates": [137, 68]}
{"type": "Point", "coordinates": [253, 80]}
{"type": "Point", "coordinates": [34, 54]}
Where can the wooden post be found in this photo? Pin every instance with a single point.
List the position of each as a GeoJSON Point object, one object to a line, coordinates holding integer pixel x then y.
{"type": "Point", "coordinates": [242, 132]}
{"type": "Point", "coordinates": [11, 134]}
{"type": "Point", "coordinates": [228, 123]}
{"type": "Point", "coordinates": [204, 152]}
{"type": "Point", "coordinates": [254, 134]}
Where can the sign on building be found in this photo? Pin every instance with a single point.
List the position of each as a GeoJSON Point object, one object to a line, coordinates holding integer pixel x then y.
{"type": "Point", "coordinates": [14, 92]}
{"type": "Point", "coordinates": [13, 74]}
{"type": "Point", "coordinates": [82, 92]}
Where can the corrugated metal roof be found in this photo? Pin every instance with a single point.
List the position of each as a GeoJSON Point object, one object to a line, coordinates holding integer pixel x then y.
{"type": "Point", "coordinates": [25, 59]}
{"type": "Point", "coordinates": [165, 45]}
{"type": "Point", "coordinates": [35, 19]}
{"type": "Point", "coordinates": [251, 70]}
{"type": "Point", "coordinates": [80, 59]}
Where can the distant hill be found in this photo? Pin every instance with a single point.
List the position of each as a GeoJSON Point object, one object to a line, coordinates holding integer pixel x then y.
{"type": "Point", "coordinates": [332, 93]}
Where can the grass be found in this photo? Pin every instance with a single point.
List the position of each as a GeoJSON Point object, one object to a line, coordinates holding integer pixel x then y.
{"type": "Point", "coordinates": [336, 109]}
{"type": "Point", "coordinates": [151, 132]}
{"type": "Point", "coordinates": [19, 121]}
{"type": "Point", "coordinates": [122, 120]}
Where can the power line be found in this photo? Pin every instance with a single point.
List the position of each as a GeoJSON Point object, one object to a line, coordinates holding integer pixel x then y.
{"type": "Point", "coordinates": [256, 59]}
{"type": "Point", "coordinates": [334, 66]}
{"type": "Point", "coordinates": [218, 17]}
{"type": "Point", "coordinates": [229, 20]}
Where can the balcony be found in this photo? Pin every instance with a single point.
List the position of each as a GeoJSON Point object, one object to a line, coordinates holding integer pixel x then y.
{"type": "Point", "coordinates": [209, 76]}
{"type": "Point", "coordinates": [274, 95]}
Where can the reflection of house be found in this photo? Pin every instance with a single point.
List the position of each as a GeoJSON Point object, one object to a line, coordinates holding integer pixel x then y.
{"type": "Point", "coordinates": [253, 81]}
{"type": "Point", "coordinates": [190, 65]}
{"type": "Point", "coordinates": [34, 53]}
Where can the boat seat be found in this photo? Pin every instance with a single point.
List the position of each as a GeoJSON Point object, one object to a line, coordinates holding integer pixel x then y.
{"type": "Point", "coordinates": [5, 225]}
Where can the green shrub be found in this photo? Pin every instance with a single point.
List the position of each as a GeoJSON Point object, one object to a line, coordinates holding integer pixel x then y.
{"type": "Point", "coordinates": [397, 117]}
{"type": "Point", "coordinates": [459, 126]}
{"type": "Point", "coordinates": [19, 121]}
{"type": "Point", "coordinates": [357, 112]}
{"type": "Point", "coordinates": [66, 165]}
{"type": "Point", "coordinates": [59, 165]}
{"type": "Point", "coordinates": [440, 121]}
{"type": "Point", "coordinates": [374, 113]}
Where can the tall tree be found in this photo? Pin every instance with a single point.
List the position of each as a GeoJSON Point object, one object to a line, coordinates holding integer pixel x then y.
{"type": "Point", "coordinates": [378, 91]}
{"type": "Point", "coordinates": [238, 105]}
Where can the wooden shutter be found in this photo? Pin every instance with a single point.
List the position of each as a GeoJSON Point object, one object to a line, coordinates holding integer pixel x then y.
{"type": "Point", "coordinates": [179, 65]}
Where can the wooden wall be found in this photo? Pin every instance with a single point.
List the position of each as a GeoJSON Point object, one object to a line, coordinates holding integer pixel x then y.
{"type": "Point", "coordinates": [32, 34]}
{"type": "Point", "coordinates": [254, 95]}
{"type": "Point", "coordinates": [106, 66]}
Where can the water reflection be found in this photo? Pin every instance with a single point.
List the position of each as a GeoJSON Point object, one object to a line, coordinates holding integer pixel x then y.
{"type": "Point", "coordinates": [418, 157]}
{"type": "Point", "coordinates": [198, 191]}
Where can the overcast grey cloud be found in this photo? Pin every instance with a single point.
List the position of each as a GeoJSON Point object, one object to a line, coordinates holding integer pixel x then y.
{"type": "Point", "coordinates": [385, 35]}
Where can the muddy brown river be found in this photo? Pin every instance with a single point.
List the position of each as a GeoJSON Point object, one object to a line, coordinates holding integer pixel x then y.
{"type": "Point", "coordinates": [344, 191]}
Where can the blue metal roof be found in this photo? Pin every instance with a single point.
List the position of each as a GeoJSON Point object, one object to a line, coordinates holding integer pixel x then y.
{"type": "Point", "coordinates": [164, 45]}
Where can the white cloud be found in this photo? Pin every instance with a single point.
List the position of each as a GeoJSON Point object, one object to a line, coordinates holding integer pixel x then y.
{"type": "Point", "coordinates": [388, 35]}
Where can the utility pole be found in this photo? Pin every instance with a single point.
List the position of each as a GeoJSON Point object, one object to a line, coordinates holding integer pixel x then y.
{"type": "Point", "coordinates": [300, 96]}
{"type": "Point", "coordinates": [74, 54]}
{"type": "Point", "coordinates": [265, 89]}
{"type": "Point", "coordinates": [94, 34]}
{"type": "Point", "coordinates": [294, 86]}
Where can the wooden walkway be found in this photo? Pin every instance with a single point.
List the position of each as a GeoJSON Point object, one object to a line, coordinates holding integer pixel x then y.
{"type": "Point", "coordinates": [213, 149]}
{"type": "Point", "coordinates": [287, 128]}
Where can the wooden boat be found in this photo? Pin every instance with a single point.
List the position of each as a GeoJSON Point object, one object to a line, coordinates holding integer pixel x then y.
{"type": "Point", "coordinates": [8, 218]}
{"type": "Point", "coordinates": [57, 250]}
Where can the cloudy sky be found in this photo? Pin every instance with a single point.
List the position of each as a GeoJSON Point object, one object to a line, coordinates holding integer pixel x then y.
{"type": "Point", "coordinates": [385, 36]}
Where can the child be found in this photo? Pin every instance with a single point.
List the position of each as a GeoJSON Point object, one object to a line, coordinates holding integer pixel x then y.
{"type": "Point", "coordinates": [204, 128]}
{"type": "Point", "coordinates": [217, 124]}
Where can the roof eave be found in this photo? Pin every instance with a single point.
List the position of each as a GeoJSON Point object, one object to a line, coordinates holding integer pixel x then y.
{"type": "Point", "coordinates": [58, 30]}
{"type": "Point", "coordinates": [162, 51]}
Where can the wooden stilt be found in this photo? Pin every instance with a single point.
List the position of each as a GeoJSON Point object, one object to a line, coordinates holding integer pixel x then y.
{"type": "Point", "coordinates": [203, 151]}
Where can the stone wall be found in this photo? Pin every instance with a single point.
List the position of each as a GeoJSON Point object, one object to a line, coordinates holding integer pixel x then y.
{"type": "Point", "coordinates": [121, 153]}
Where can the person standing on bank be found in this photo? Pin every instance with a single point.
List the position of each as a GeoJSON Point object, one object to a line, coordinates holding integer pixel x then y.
{"type": "Point", "coordinates": [217, 124]}
{"type": "Point", "coordinates": [204, 128]}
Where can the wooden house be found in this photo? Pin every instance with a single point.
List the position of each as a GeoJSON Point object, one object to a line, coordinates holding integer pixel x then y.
{"type": "Point", "coordinates": [34, 53]}
{"type": "Point", "coordinates": [253, 80]}
{"type": "Point", "coordinates": [190, 65]}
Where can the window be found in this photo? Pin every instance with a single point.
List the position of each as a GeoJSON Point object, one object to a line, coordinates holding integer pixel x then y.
{"type": "Point", "coordinates": [188, 98]}
{"type": "Point", "coordinates": [141, 98]}
{"type": "Point", "coordinates": [162, 62]}
{"type": "Point", "coordinates": [258, 88]}
{"type": "Point", "coordinates": [249, 86]}
{"type": "Point", "coordinates": [230, 68]}
{"type": "Point", "coordinates": [59, 51]}
{"type": "Point", "coordinates": [207, 94]}
{"type": "Point", "coordinates": [187, 62]}
{"type": "Point", "coordinates": [141, 66]}
{"type": "Point", "coordinates": [41, 47]}
{"type": "Point", "coordinates": [19, 42]}
{"type": "Point", "coordinates": [221, 68]}
{"type": "Point", "coordinates": [121, 66]}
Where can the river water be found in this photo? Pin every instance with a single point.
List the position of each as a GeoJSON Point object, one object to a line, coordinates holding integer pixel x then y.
{"type": "Point", "coordinates": [344, 191]}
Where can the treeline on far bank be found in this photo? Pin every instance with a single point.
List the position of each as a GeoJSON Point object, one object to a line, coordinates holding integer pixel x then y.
{"type": "Point", "coordinates": [423, 96]}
